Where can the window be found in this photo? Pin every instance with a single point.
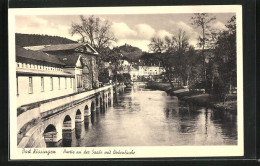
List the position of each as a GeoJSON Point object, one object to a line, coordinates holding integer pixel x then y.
{"type": "Point", "coordinates": [42, 84]}
{"type": "Point", "coordinates": [17, 87]}
{"type": "Point", "coordinates": [30, 85]}
{"type": "Point", "coordinates": [65, 82]}
{"type": "Point", "coordinates": [70, 82]}
{"type": "Point", "coordinates": [79, 81]}
{"type": "Point", "coordinates": [59, 81]}
{"type": "Point", "coordinates": [51, 83]}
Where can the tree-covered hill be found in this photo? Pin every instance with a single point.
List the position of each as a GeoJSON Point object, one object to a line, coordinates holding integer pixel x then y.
{"type": "Point", "coordinates": [24, 40]}
{"type": "Point", "coordinates": [130, 53]}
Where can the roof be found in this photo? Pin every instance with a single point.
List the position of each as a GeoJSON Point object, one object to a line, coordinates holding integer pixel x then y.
{"type": "Point", "coordinates": [71, 46]}
{"type": "Point", "coordinates": [37, 55]}
{"type": "Point", "coordinates": [36, 48]}
{"type": "Point", "coordinates": [58, 47]}
{"type": "Point", "coordinates": [22, 71]}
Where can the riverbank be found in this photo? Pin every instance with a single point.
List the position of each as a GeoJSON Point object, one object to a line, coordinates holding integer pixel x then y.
{"type": "Point", "coordinates": [164, 86]}
{"type": "Point", "coordinates": [201, 99]}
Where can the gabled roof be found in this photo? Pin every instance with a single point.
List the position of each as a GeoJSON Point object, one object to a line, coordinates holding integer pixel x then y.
{"type": "Point", "coordinates": [37, 55]}
{"type": "Point", "coordinates": [60, 47]}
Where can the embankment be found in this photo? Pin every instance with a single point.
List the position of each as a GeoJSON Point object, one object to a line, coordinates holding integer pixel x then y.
{"type": "Point", "coordinates": [201, 99]}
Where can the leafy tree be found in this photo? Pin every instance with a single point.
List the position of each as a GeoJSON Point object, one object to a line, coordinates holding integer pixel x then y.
{"type": "Point", "coordinates": [104, 76]}
{"type": "Point", "coordinates": [158, 45]}
{"type": "Point", "coordinates": [225, 55]}
{"type": "Point", "coordinates": [181, 65]}
{"type": "Point", "coordinates": [94, 31]}
{"type": "Point", "coordinates": [127, 77]}
{"type": "Point", "coordinates": [174, 55]}
{"type": "Point", "coordinates": [192, 66]}
{"type": "Point", "coordinates": [203, 21]}
{"type": "Point", "coordinates": [97, 33]}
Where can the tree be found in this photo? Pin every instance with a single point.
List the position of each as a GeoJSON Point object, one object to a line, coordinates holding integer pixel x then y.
{"type": "Point", "coordinates": [157, 44]}
{"type": "Point", "coordinates": [225, 56]}
{"type": "Point", "coordinates": [162, 49]}
{"type": "Point", "coordinates": [192, 66]}
{"type": "Point", "coordinates": [203, 21]}
{"type": "Point", "coordinates": [104, 76]}
{"type": "Point", "coordinates": [172, 54]}
{"type": "Point", "coordinates": [94, 31]}
{"type": "Point", "coordinates": [180, 56]}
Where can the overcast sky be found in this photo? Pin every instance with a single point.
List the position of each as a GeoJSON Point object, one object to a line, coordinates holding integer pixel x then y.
{"type": "Point", "coordinates": [136, 30]}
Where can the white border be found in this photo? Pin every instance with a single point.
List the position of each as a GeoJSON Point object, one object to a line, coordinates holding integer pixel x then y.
{"type": "Point", "coordinates": [140, 151]}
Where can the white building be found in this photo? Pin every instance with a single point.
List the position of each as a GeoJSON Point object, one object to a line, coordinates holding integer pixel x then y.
{"type": "Point", "coordinates": [124, 66]}
{"type": "Point", "coordinates": [52, 71]}
{"type": "Point", "coordinates": [40, 76]}
{"type": "Point", "coordinates": [150, 70]}
{"type": "Point", "coordinates": [145, 71]}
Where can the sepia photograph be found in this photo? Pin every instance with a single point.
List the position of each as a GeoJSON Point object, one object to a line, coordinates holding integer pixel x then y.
{"type": "Point", "coordinates": [126, 82]}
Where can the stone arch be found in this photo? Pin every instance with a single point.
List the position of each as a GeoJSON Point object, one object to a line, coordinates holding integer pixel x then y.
{"type": "Point", "coordinates": [86, 110]}
{"type": "Point", "coordinates": [78, 117]}
{"type": "Point", "coordinates": [78, 112]}
{"type": "Point", "coordinates": [50, 135]}
{"type": "Point", "coordinates": [67, 123]}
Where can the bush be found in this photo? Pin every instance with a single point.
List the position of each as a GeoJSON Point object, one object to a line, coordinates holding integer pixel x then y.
{"type": "Point", "coordinates": [220, 89]}
{"type": "Point", "coordinates": [104, 76]}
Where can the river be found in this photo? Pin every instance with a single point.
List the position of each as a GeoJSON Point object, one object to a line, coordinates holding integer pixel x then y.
{"type": "Point", "coordinates": [144, 117]}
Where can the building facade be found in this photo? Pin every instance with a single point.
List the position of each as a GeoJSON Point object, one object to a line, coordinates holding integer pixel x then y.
{"type": "Point", "coordinates": [138, 72]}
{"type": "Point", "coordinates": [51, 71]}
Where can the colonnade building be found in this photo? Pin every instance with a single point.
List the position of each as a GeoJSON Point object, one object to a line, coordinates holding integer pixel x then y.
{"type": "Point", "coordinates": [50, 71]}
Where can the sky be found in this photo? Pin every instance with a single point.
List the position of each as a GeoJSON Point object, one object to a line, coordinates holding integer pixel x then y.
{"type": "Point", "coordinates": [134, 29]}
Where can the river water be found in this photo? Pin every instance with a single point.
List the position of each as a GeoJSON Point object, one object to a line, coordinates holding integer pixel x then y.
{"type": "Point", "coordinates": [144, 117]}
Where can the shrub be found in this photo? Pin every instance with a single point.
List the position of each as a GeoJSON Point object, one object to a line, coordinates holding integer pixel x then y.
{"type": "Point", "coordinates": [220, 89]}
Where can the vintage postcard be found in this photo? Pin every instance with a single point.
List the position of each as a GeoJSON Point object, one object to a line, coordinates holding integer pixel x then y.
{"type": "Point", "coordinates": [125, 82]}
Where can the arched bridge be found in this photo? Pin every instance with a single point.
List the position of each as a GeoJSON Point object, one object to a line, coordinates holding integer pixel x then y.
{"type": "Point", "coordinates": [58, 116]}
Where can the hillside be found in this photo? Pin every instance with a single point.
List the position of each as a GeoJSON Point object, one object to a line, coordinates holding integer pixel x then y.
{"type": "Point", "coordinates": [130, 53]}
{"type": "Point", "coordinates": [24, 40]}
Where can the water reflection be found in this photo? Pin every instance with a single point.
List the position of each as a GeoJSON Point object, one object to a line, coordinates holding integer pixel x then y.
{"type": "Point", "coordinates": [143, 117]}
{"type": "Point", "coordinates": [79, 130]}
{"type": "Point", "coordinates": [67, 138]}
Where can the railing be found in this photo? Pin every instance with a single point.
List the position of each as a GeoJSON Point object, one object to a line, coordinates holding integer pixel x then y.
{"type": "Point", "coordinates": [48, 107]}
